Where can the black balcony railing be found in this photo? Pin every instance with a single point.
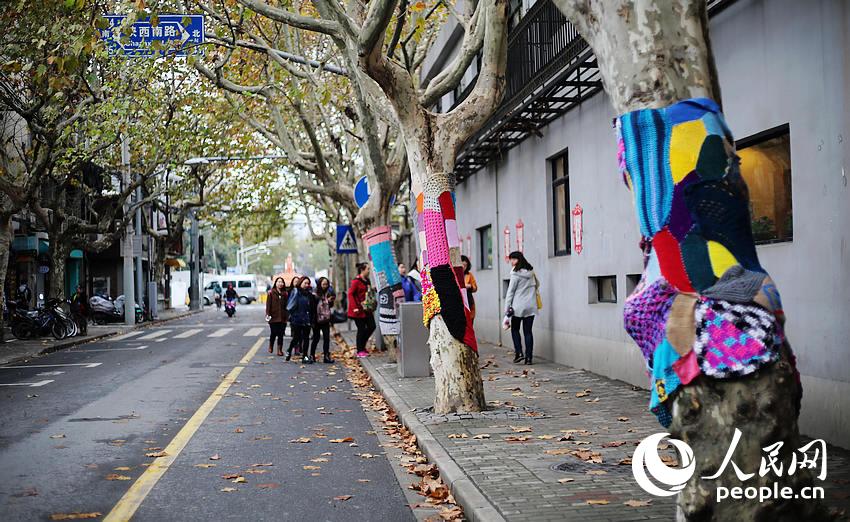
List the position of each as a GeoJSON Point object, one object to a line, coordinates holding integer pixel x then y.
{"type": "Point", "coordinates": [550, 70]}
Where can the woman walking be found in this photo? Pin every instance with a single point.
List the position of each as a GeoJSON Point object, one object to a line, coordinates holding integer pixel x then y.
{"type": "Point", "coordinates": [300, 308]}
{"type": "Point", "coordinates": [324, 301]}
{"type": "Point", "coordinates": [361, 304]}
{"type": "Point", "coordinates": [522, 303]}
{"type": "Point", "coordinates": [276, 314]}
{"type": "Point", "coordinates": [293, 287]}
{"type": "Point", "coordinates": [470, 283]}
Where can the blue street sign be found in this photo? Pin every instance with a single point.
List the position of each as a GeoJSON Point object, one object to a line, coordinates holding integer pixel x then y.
{"type": "Point", "coordinates": [176, 35]}
{"type": "Point", "coordinates": [345, 242]}
{"type": "Point", "coordinates": [362, 192]}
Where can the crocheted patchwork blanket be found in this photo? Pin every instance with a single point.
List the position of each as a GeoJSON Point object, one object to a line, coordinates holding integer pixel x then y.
{"type": "Point", "coordinates": [439, 244]}
{"type": "Point", "coordinates": [704, 306]}
{"type": "Point", "coordinates": [387, 276]}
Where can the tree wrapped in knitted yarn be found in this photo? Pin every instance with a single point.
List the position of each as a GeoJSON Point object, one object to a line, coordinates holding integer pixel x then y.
{"type": "Point", "coordinates": [706, 315]}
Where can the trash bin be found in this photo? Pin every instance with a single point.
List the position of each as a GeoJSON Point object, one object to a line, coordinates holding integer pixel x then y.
{"type": "Point", "coordinates": [413, 352]}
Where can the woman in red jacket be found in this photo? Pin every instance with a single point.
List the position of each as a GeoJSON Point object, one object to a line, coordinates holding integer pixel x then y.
{"type": "Point", "coordinates": [276, 314]}
{"type": "Point", "coordinates": [363, 318]}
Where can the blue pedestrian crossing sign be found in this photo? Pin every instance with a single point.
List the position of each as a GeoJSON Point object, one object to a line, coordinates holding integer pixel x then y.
{"type": "Point", "coordinates": [345, 241]}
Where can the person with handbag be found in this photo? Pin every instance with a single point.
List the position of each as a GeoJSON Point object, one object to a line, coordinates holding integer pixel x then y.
{"type": "Point", "coordinates": [277, 314]}
{"type": "Point", "coordinates": [323, 301]}
{"type": "Point", "coordinates": [521, 305]}
{"type": "Point", "coordinates": [300, 308]}
{"type": "Point", "coordinates": [293, 346]}
{"type": "Point", "coordinates": [361, 306]}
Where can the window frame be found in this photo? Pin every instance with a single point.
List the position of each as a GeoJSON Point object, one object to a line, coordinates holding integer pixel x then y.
{"type": "Point", "coordinates": [757, 139]}
{"type": "Point", "coordinates": [482, 258]}
{"type": "Point", "coordinates": [555, 184]}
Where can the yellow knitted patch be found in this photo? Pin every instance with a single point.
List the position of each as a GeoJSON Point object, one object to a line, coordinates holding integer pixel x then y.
{"type": "Point", "coordinates": [721, 258]}
{"type": "Point", "coordinates": [430, 305]}
{"type": "Point", "coordinates": [685, 145]}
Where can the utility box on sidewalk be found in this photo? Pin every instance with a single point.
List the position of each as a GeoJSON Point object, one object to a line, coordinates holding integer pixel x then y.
{"type": "Point", "coordinates": [413, 353]}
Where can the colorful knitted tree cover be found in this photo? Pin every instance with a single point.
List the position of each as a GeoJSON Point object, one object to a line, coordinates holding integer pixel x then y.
{"type": "Point", "coordinates": [704, 305]}
{"type": "Point", "coordinates": [387, 277]}
{"type": "Point", "coordinates": [439, 244]}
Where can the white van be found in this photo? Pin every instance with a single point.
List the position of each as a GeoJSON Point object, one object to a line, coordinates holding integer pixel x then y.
{"type": "Point", "coordinates": [244, 284]}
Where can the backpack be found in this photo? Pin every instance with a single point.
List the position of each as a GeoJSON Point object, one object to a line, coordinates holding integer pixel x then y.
{"type": "Point", "coordinates": [370, 301]}
{"type": "Point", "coordinates": [323, 311]}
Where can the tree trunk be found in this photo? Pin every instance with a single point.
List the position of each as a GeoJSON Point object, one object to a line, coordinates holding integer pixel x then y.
{"type": "Point", "coordinates": [5, 244]}
{"type": "Point", "coordinates": [457, 377]}
{"type": "Point", "coordinates": [679, 160]}
{"type": "Point", "coordinates": [58, 251]}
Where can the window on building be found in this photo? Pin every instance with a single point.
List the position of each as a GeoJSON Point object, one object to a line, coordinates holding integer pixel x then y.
{"type": "Point", "coordinates": [561, 204]}
{"type": "Point", "coordinates": [485, 247]}
{"type": "Point", "coordinates": [766, 167]}
{"type": "Point", "coordinates": [632, 280]}
{"type": "Point", "coordinates": [602, 289]}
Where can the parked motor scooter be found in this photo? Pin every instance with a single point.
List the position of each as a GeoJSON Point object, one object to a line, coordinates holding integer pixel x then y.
{"type": "Point", "coordinates": [230, 307]}
{"type": "Point", "coordinates": [105, 310]}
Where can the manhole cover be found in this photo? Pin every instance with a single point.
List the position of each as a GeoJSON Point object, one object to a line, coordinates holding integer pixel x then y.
{"type": "Point", "coordinates": [581, 467]}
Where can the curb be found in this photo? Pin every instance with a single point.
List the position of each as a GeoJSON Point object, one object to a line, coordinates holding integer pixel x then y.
{"type": "Point", "coordinates": [75, 342]}
{"type": "Point", "coordinates": [476, 506]}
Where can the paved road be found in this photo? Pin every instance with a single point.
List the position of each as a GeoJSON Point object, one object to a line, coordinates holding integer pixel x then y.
{"type": "Point", "coordinates": [75, 417]}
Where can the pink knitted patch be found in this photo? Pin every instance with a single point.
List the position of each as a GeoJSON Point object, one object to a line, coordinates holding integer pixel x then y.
{"type": "Point", "coordinates": [686, 367]}
{"type": "Point", "coordinates": [435, 238]}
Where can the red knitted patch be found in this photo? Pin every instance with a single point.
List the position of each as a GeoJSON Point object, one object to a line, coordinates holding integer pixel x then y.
{"type": "Point", "coordinates": [447, 205]}
{"type": "Point", "coordinates": [469, 336]}
{"type": "Point", "coordinates": [670, 260]}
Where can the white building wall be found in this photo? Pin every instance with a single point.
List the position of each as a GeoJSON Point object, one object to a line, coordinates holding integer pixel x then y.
{"type": "Point", "coordinates": [779, 62]}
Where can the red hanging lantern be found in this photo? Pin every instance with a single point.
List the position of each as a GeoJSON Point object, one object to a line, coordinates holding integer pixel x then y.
{"type": "Point", "coordinates": [507, 243]}
{"type": "Point", "coordinates": [578, 227]}
{"type": "Point", "coordinates": [520, 236]}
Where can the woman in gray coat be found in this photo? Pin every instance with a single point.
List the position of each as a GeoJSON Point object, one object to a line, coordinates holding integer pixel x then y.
{"type": "Point", "coordinates": [522, 305]}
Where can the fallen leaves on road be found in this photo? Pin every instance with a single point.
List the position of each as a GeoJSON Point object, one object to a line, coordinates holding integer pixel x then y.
{"type": "Point", "coordinates": [593, 502]}
{"type": "Point", "coordinates": [311, 468]}
{"type": "Point", "coordinates": [520, 429]}
{"type": "Point", "coordinates": [122, 468]}
{"type": "Point", "coordinates": [204, 466]}
{"type": "Point", "coordinates": [614, 444]}
{"type": "Point", "coordinates": [320, 459]}
{"type": "Point", "coordinates": [239, 480]}
{"type": "Point", "coordinates": [565, 480]}
{"type": "Point", "coordinates": [458, 436]}
{"type": "Point", "coordinates": [340, 441]}
{"type": "Point", "coordinates": [343, 497]}
{"type": "Point", "coordinates": [262, 464]}
{"type": "Point", "coordinates": [215, 457]}
{"type": "Point", "coordinates": [481, 436]}
{"type": "Point", "coordinates": [623, 419]}
{"type": "Point", "coordinates": [116, 476]}
{"type": "Point", "coordinates": [584, 393]}
{"type": "Point", "coordinates": [597, 472]}
{"type": "Point", "coordinates": [366, 456]}
{"type": "Point", "coordinates": [75, 516]}
{"type": "Point", "coordinates": [263, 437]}
{"type": "Point", "coordinates": [637, 503]}
{"type": "Point", "coordinates": [58, 436]}
{"type": "Point", "coordinates": [239, 430]}
{"type": "Point", "coordinates": [301, 440]}
{"type": "Point", "coordinates": [516, 438]}
{"type": "Point", "coordinates": [230, 476]}
{"type": "Point", "coordinates": [156, 454]}
{"type": "Point", "coordinates": [587, 455]}
{"type": "Point", "coordinates": [227, 490]}
{"type": "Point", "coordinates": [268, 485]}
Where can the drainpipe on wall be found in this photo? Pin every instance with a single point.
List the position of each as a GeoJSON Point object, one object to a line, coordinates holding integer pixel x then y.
{"type": "Point", "coordinates": [497, 258]}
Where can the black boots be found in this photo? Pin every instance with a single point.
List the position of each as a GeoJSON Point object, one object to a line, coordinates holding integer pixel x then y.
{"type": "Point", "coordinates": [518, 357]}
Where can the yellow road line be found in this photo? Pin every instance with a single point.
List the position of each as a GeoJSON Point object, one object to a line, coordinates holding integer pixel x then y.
{"type": "Point", "coordinates": [133, 498]}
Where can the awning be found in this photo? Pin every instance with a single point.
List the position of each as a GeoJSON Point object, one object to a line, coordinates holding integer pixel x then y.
{"type": "Point", "coordinates": [175, 262]}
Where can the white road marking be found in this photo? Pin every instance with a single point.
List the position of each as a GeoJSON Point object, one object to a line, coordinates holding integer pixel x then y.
{"type": "Point", "coordinates": [84, 365]}
{"type": "Point", "coordinates": [127, 335]}
{"type": "Point", "coordinates": [142, 347]}
{"type": "Point", "coordinates": [154, 335]}
{"type": "Point", "coordinates": [30, 384]}
{"type": "Point", "coordinates": [221, 332]}
{"type": "Point", "coordinates": [49, 374]}
{"type": "Point", "coordinates": [253, 332]}
{"type": "Point", "coordinates": [187, 333]}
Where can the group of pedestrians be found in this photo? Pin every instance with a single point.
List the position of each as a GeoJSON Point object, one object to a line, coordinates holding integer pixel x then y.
{"type": "Point", "coordinates": [308, 312]}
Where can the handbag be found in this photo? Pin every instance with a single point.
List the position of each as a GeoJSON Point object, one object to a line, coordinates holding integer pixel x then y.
{"type": "Point", "coordinates": [370, 301]}
{"type": "Point", "coordinates": [537, 293]}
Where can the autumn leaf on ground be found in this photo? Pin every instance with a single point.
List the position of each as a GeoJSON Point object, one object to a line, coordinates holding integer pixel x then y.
{"type": "Point", "coordinates": [215, 457]}
{"type": "Point", "coordinates": [256, 471]}
{"type": "Point", "coordinates": [339, 441]}
{"type": "Point", "coordinates": [58, 436]}
{"type": "Point", "coordinates": [320, 459]}
{"type": "Point", "coordinates": [366, 456]}
{"type": "Point", "coordinates": [363, 480]}
{"type": "Point", "coordinates": [561, 392]}
{"type": "Point", "coordinates": [122, 468]}
{"type": "Point", "coordinates": [458, 435]}
{"type": "Point", "coordinates": [584, 393]}
{"type": "Point", "coordinates": [481, 436]}
{"type": "Point", "coordinates": [451, 513]}
{"type": "Point", "coordinates": [520, 429]}
{"type": "Point", "coordinates": [239, 480]}
{"type": "Point", "coordinates": [597, 472]}
{"type": "Point", "coordinates": [300, 440]}
{"type": "Point", "coordinates": [565, 480]}
{"type": "Point", "coordinates": [598, 502]}
{"type": "Point", "coordinates": [116, 476]}
{"type": "Point", "coordinates": [637, 503]}
{"type": "Point", "coordinates": [264, 437]}
{"type": "Point", "coordinates": [239, 430]}
{"type": "Point", "coordinates": [545, 437]}
{"type": "Point", "coordinates": [156, 454]}
{"type": "Point", "coordinates": [262, 464]}
{"type": "Point", "coordinates": [204, 465]}
{"type": "Point", "coordinates": [558, 451]}
{"type": "Point", "coordinates": [343, 497]}
{"type": "Point", "coordinates": [623, 419]}
{"type": "Point", "coordinates": [230, 476]}
{"type": "Point", "coordinates": [227, 490]}
{"type": "Point", "coordinates": [311, 468]}
{"type": "Point", "coordinates": [615, 444]}
{"type": "Point", "coordinates": [625, 462]}
{"type": "Point", "coordinates": [268, 485]}
{"type": "Point", "coordinates": [75, 516]}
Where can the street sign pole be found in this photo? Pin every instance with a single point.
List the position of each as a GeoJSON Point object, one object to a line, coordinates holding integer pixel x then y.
{"type": "Point", "coordinates": [129, 290]}
{"type": "Point", "coordinates": [194, 279]}
{"type": "Point", "coordinates": [140, 280]}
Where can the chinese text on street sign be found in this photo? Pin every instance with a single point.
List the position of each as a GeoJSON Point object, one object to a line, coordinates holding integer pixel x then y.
{"type": "Point", "coordinates": [173, 35]}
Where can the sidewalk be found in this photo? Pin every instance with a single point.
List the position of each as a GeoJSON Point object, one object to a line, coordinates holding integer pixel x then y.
{"type": "Point", "coordinates": [17, 350]}
{"type": "Point", "coordinates": [555, 445]}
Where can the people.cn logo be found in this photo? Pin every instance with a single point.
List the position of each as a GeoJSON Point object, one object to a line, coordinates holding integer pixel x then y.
{"type": "Point", "coordinates": [647, 463]}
